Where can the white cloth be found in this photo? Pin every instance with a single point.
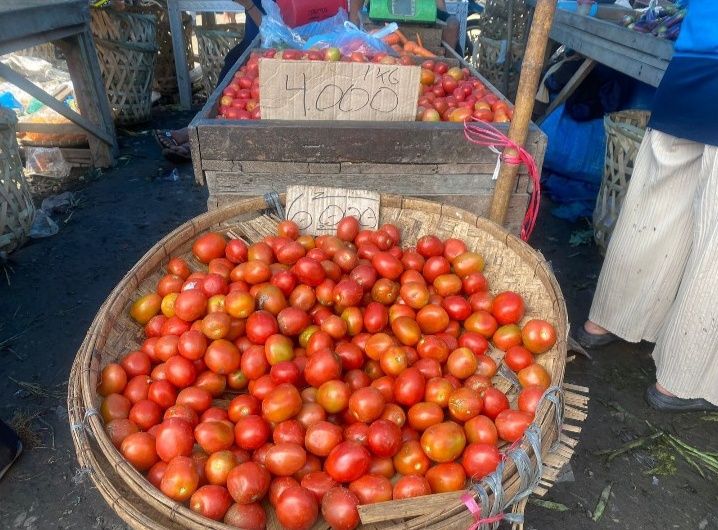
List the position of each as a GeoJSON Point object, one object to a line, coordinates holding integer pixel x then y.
{"type": "Point", "coordinates": [660, 277]}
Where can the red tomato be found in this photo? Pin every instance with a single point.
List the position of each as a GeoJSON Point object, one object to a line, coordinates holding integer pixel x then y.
{"type": "Point", "coordinates": [457, 307]}
{"type": "Point", "coordinates": [282, 403]}
{"type": "Point", "coordinates": [423, 415]}
{"type": "Point", "coordinates": [182, 412]}
{"type": "Point", "coordinates": [318, 482]}
{"type": "Point", "coordinates": [180, 479]}
{"type": "Point", "coordinates": [113, 380]}
{"type": "Point", "coordinates": [517, 358]}
{"type": "Point", "coordinates": [409, 387]}
{"type": "Point", "coordinates": [178, 267]}
{"type": "Point", "coordinates": [511, 424]}
{"type": "Point", "coordinates": [433, 347]}
{"type": "Point", "coordinates": [347, 462]}
{"type": "Point", "coordinates": [411, 486]}
{"type": "Point", "coordinates": [219, 465]}
{"type": "Point", "coordinates": [507, 336]}
{"type": "Point", "coordinates": [297, 508]}
{"type": "Point", "coordinates": [366, 404]}
{"type": "Point", "coordinates": [538, 336]}
{"type": "Point", "coordinates": [309, 271]}
{"type": "Point", "coordinates": [190, 305]}
{"type": "Point", "coordinates": [446, 477]}
{"type": "Point", "coordinates": [481, 429]}
{"type": "Point", "coordinates": [279, 486]}
{"type": "Point", "coordinates": [508, 308]}
{"type": "Point", "coordinates": [248, 482]}
{"type": "Point", "coordinates": [348, 228]}
{"type": "Point", "coordinates": [462, 363]}
{"type": "Point", "coordinates": [370, 489]}
{"type": "Point", "coordinates": [475, 283]}
{"type": "Point", "coordinates": [139, 450]}
{"type": "Point", "coordinates": [438, 390]}
{"type": "Point", "coordinates": [465, 404]}
{"type": "Point", "coordinates": [260, 326]}
{"type": "Point", "coordinates": [480, 460]}
{"type": "Point", "coordinates": [145, 414]}
{"type": "Point", "coordinates": [136, 363]}
{"type": "Point", "coordinates": [285, 459]}
{"type": "Point", "coordinates": [529, 398]}
{"type": "Point", "coordinates": [236, 251]}
{"type": "Point", "coordinates": [339, 509]}
{"type": "Point", "coordinates": [198, 399]}
{"type": "Point", "coordinates": [443, 442]}
{"type": "Point", "coordinates": [251, 432]}
{"type": "Point", "coordinates": [209, 246]}
{"type": "Point", "coordinates": [247, 516]}
{"type": "Point", "coordinates": [120, 429]}
{"type": "Point", "coordinates": [411, 459]}
{"type": "Point", "coordinates": [387, 265]}
{"type": "Point", "coordinates": [481, 322]}
{"type": "Point", "coordinates": [174, 437]}
{"type": "Point", "coordinates": [494, 402]}
{"type": "Point", "coordinates": [321, 367]}
{"type": "Point", "coordinates": [384, 438]}
{"type": "Point", "coordinates": [211, 502]}
{"type": "Point", "coordinates": [429, 246]}
{"type": "Point", "coordinates": [243, 405]}
{"type": "Point", "coordinates": [534, 375]}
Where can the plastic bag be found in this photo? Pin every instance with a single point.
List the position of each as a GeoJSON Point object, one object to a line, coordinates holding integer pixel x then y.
{"type": "Point", "coordinates": [349, 38]}
{"type": "Point", "coordinates": [46, 161]}
{"type": "Point", "coordinates": [276, 34]}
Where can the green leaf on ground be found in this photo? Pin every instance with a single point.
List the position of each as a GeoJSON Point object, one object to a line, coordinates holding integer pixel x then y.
{"type": "Point", "coordinates": [602, 502]}
{"type": "Point", "coordinates": [581, 237]}
{"type": "Point", "coordinates": [549, 505]}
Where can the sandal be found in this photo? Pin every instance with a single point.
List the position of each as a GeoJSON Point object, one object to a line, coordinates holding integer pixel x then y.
{"type": "Point", "coordinates": [164, 138]}
{"type": "Point", "coordinates": [592, 340]}
{"type": "Point", "coordinates": [664, 403]}
{"type": "Point", "coordinates": [177, 153]}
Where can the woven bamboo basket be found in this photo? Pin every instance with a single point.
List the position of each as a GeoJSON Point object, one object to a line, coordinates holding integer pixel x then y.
{"type": "Point", "coordinates": [624, 134]}
{"type": "Point", "coordinates": [16, 208]}
{"type": "Point", "coordinates": [165, 80]}
{"type": "Point", "coordinates": [487, 53]}
{"type": "Point", "coordinates": [127, 49]}
{"type": "Point", "coordinates": [213, 44]}
{"type": "Point", "coordinates": [510, 264]}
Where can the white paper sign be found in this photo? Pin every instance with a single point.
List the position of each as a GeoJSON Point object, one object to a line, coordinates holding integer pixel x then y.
{"type": "Point", "coordinates": [317, 210]}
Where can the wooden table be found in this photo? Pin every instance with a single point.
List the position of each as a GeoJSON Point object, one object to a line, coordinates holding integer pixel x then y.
{"type": "Point", "coordinates": [66, 23]}
{"type": "Point", "coordinates": [638, 55]}
{"type": "Point", "coordinates": [174, 13]}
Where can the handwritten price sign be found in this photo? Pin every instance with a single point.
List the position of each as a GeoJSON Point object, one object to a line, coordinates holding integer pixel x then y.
{"type": "Point", "coordinates": [318, 90]}
{"type": "Point", "coordinates": [317, 210]}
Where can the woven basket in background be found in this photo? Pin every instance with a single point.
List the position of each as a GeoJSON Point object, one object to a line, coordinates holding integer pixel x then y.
{"type": "Point", "coordinates": [510, 265]}
{"type": "Point", "coordinates": [624, 134]}
{"type": "Point", "coordinates": [16, 208]}
{"type": "Point", "coordinates": [213, 44]}
{"type": "Point", "coordinates": [487, 53]}
{"type": "Point", "coordinates": [127, 49]}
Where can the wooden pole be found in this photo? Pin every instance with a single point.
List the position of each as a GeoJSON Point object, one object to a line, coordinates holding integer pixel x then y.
{"type": "Point", "coordinates": [524, 105]}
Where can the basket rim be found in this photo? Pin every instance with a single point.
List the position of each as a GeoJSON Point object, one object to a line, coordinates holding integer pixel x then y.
{"type": "Point", "coordinates": [545, 416]}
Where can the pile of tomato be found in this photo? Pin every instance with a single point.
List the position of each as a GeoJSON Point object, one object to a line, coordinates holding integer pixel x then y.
{"type": "Point", "coordinates": [446, 94]}
{"type": "Point", "coordinates": [321, 373]}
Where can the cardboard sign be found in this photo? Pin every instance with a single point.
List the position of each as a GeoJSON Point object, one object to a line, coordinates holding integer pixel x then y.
{"type": "Point", "coordinates": [321, 90]}
{"type": "Point", "coordinates": [317, 210]}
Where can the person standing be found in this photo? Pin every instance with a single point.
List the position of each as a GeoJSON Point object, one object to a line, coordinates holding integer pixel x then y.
{"type": "Point", "coordinates": [659, 280]}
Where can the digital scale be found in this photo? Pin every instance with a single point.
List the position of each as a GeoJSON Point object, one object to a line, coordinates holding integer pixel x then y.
{"type": "Point", "coordinates": [417, 11]}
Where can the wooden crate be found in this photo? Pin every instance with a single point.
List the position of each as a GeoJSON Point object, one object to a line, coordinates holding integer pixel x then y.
{"type": "Point", "coordinates": [430, 34]}
{"type": "Point", "coordinates": [236, 159]}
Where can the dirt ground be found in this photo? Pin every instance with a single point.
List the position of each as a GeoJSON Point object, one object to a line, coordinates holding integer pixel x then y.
{"type": "Point", "coordinates": [51, 288]}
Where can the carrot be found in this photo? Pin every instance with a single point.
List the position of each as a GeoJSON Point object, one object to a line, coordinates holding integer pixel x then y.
{"type": "Point", "coordinates": [423, 52]}
{"type": "Point", "coordinates": [410, 46]}
{"type": "Point", "coordinates": [398, 49]}
{"type": "Point", "coordinates": [392, 39]}
{"type": "Point", "coordinates": [418, 40]}
{"type": "Point", "coordinates": [401, 36]}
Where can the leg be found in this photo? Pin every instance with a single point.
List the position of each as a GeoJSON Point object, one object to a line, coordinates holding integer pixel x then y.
{"type": "Point", "coordinates": [450, 33]}
{"type": "Point", "coordinates": [650, 246]}
{"type": "Point", "coordinates": [686, 352]}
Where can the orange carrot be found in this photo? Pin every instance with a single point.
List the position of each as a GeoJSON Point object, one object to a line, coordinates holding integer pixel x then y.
{"type": "Point", "coordinates": [418, 40]}
{"type": "Point", "coordinates": [423, 52]}
{"type": "Point", "coordinates": [410, 46]}
{"type": "Point", "coordinates": [392, 39]}
{"type": "Point", "coordinates": [401, 36]}
{"type": "Point", "coordinates": [397, 48]}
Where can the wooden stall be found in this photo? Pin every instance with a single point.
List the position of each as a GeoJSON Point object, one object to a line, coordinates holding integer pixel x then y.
{"type": "Point", "coordinates": [237, 159]}
{"type": "Point", "coordinates": [66, 23]}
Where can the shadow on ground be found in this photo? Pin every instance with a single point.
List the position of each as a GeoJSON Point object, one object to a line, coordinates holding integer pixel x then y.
{"type": "Point", "coordinates": [54, 287]}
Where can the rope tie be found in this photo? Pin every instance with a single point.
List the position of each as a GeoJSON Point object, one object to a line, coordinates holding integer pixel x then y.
{"type": "Point", "coordinates": [82, 424]}
{"type": "Point", "coordinates": [488, 517]}
{"type": "Point", "coordinates": [487, 135]}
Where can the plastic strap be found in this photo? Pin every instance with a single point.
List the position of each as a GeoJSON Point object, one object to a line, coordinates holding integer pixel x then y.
{"type": "Point", "coordinates": [488, 517]}
{"type": "Point", "coordinates": [82, 424]}
{"type": "Point", "coordinates": [273, 202]}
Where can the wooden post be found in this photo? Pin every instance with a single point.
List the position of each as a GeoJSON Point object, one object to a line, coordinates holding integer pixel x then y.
{"type": "Point", "coordinates": [528, 83]}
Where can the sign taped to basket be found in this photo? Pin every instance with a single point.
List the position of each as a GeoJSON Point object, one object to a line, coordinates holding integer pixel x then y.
{"type": "Point", "coordinates": [321, 90]}
{"type": "Point", "coordinates": [317, 209]}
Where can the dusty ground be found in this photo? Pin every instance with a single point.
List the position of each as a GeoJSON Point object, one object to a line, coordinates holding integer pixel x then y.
{"type": "Point", "coordinates": [54, 287]}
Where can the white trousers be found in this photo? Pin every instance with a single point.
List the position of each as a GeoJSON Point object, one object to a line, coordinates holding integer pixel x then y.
{"type": "Point", "coordinates": [659, 281]}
